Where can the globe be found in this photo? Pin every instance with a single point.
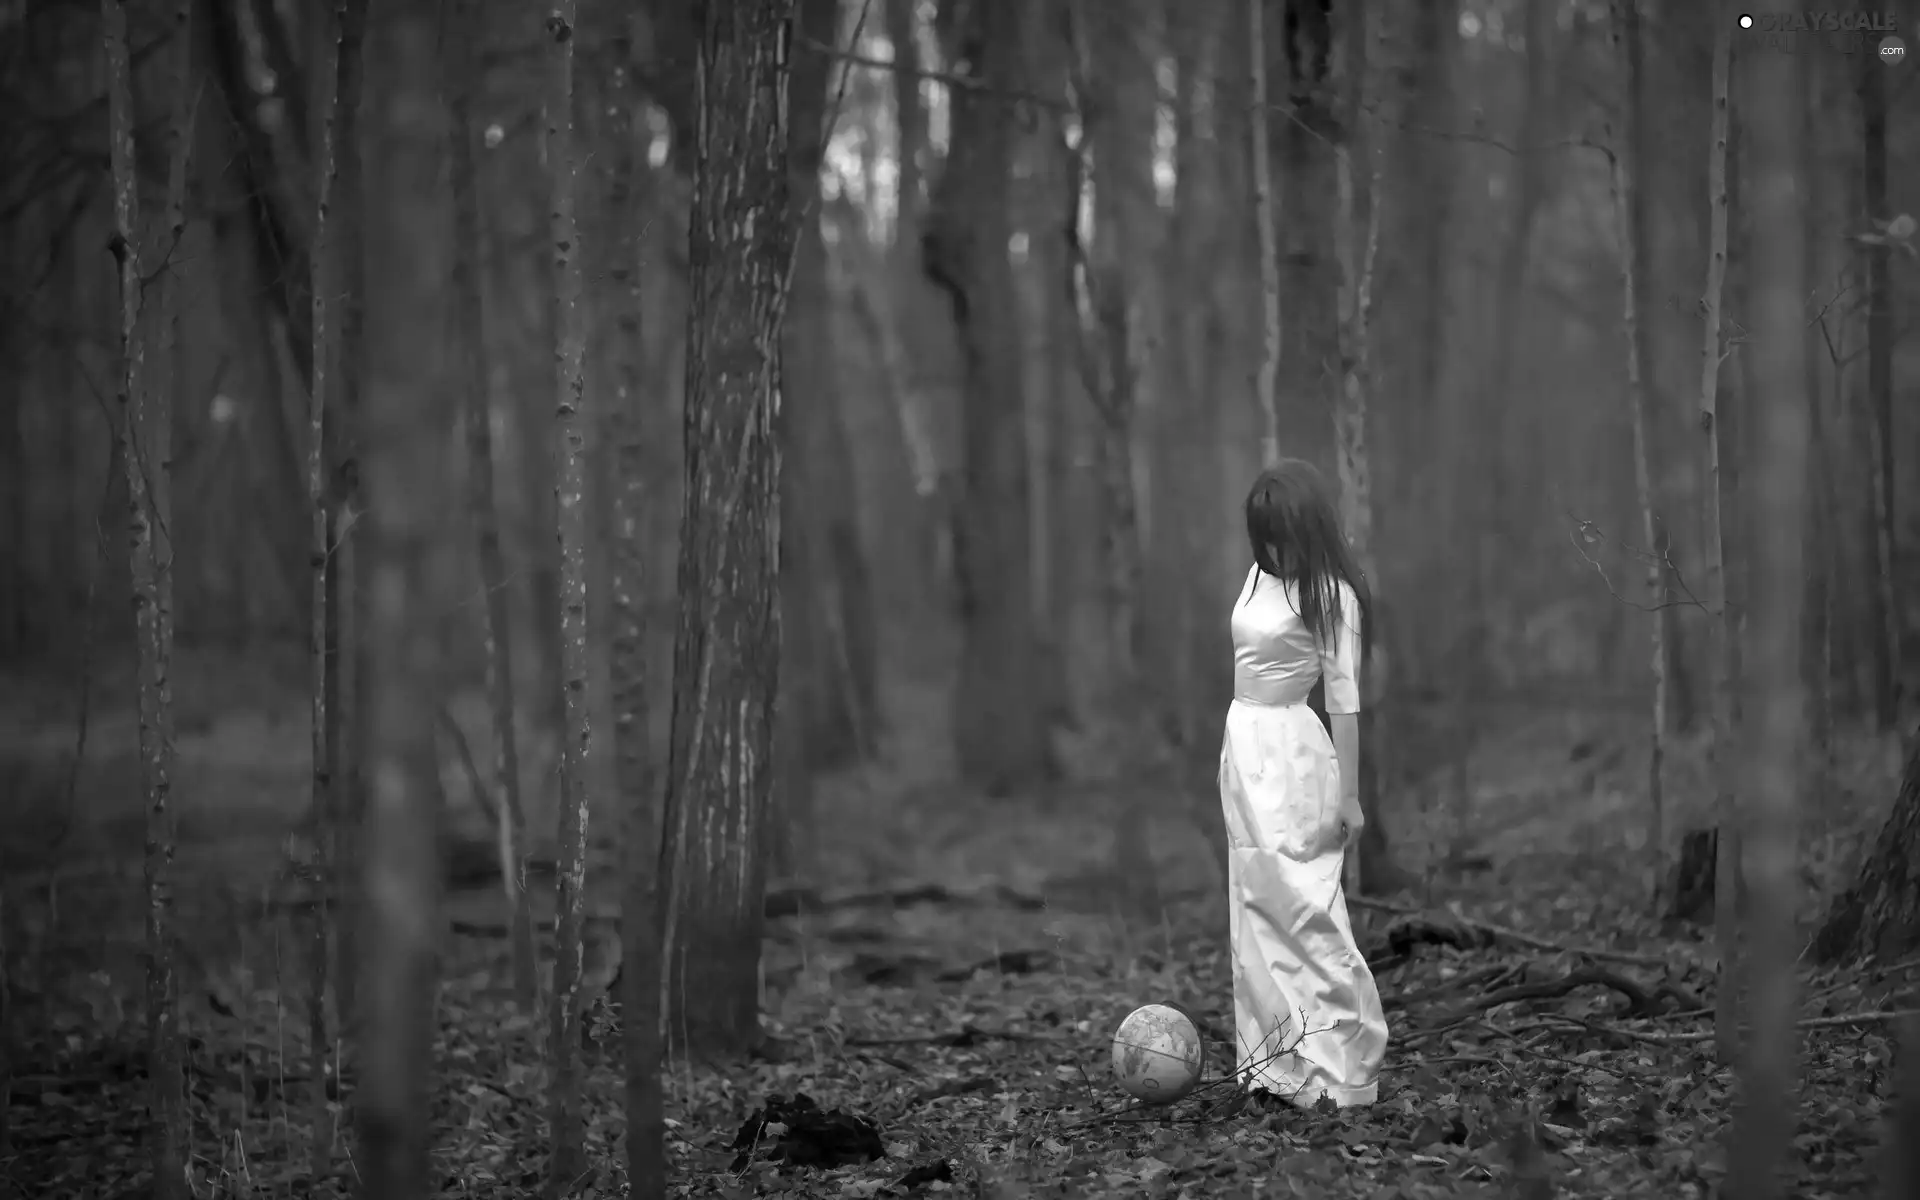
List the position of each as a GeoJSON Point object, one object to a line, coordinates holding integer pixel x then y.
{"type": "Point", "coordinates": [1157, 1054]}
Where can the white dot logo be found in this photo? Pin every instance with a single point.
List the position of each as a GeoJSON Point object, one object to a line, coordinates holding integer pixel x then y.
{"type": "Point", "coordinates": [1746, 21]}
{"type": "Point", "coordinates": [1892, 50]}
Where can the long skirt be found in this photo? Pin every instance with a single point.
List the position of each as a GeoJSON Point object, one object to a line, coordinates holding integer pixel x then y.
{"type": "Point", "coordinates": [1306, 1012]}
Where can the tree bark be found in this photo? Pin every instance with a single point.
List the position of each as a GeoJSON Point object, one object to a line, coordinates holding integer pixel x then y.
{"type": "Point", "coordinates": [1776, 711]}
{"type": "Point", "coordinates": [1721, 669]}
{"type": "Point", "coordinates": [570, 502]}
{"type": "Point", "coordinates": [321, 806]}
{"type": "Point", "coordinates": [727, 645]}
{"type": "Point", "coordinates": [635, 496]}
{"type": "Point", "coordinates": [1266, 219]}
{"type": "Point", "coordinates": [1000, 735]}
{"type": "Point", "coordinates": [1883, 604]}
{"type": "Point", "coordinates": [349, 611]}
{"type": "Point", "coordinates": [141, 428]}
{"type": "Point", "coordinates": [1879, 914]}
{"type": "Point", "coordinates": [827, 616]}
{"type": "Point", "coordinates": [1625, 33]}
{"type": "Point", "coordinates": [458, 40]}
{"type": "Point", "coordinates": [409, 578]}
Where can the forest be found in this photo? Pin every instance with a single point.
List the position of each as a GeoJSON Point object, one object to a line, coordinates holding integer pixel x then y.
{"type": "Point", "coordinates": [632, 598]}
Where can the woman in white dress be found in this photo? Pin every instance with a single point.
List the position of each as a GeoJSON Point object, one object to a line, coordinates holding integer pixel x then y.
{"type": "Point", "coordinates": [1306, 1012]}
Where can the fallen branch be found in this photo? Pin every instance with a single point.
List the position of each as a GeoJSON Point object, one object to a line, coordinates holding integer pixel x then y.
{"type": "Point", "coordinates": [799, 901]}
{"type": "Point", "coordinates": [966, 1035]}
{"type": "Point", "coordinates": [1502, 933]}
{"type": "Point", "coordinates": [1847, 1021]}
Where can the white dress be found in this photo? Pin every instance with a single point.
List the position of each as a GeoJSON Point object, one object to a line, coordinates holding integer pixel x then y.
{"type": "Point", "coordinates": [1305, 1009]}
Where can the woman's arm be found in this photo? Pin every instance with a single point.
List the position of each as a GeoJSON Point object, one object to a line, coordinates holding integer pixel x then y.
{"type": "Point", "coordinates": [1346, 748]}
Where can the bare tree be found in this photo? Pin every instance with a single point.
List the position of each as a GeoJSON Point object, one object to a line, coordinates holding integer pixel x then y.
{"type": "Point", "coordinates": [570, 470]}
{"type": "Point", "coordinates": [1624, 31]}
{"type": "Point", "coordinates": [1266, 219]}
{"type": "Point", "coordinates": [1000, 735]}
{"type": "Point", "coordinates": [348, 682]}
{"type": "Point", "coordinates": [1358, 50]}
{"type": "Point", "coordinates": [1721, 672]}
{"type": "Point", "coordinates": [141, 424]}
{"type": "Point", "coordinates": [461, 72]}
{"type": "Point", "coordinates": [1776, 716]}
{"type": "Point", "coordinates": [614, 123]}
{"type": "Point", "coordinates": [1884, 605]}
{"type": "Point", "coordinates": [727, 643]}
{"type": "Point", "coordinates": [322, 807]}
{"type": "Point", "coordinates": [409, 575]}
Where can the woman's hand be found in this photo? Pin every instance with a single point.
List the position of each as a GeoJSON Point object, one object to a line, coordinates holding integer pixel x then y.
{"type": "Point", "coordinates": [1353, 818]}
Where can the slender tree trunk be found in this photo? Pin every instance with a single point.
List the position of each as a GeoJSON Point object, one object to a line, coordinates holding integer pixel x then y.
{"type": "Point", "coordinates": [1884, 606]}
{"type": "Point", "coordinates": [322, 804]}
{"type": "Point", "coordinates": [409, 577]}
{"type": "Point", "coordinates": [141, 427]}
{"type": "Point", "coordinates": [348, 602]}
{"type": "Point", "coordinates": [1901, 1168]}
{"type": "Point", "coordinates": [570, 472]}
{"type": "Point", "coordinates": [635, 497]}
{"type": "Point", "coordinates": [1721, 676]}
{"type": "Point", "coordinates": [1359, 51]}
{"type": "Point", "coordinates": [1625, 32]}
{"type": "Point", "coordinates": [1777, 710]}
{"type": "Point", "coordinates": [1000, 734]}
{"type": "Point", "coordinates": [458, 37]}
{"type": "Point", "coordinates": [1266, 218]}
{"type": "Point", "coordinates": [910, 291]}
{"type": "Point", "coordinates": [727, 644]}
{"type": "Point", "coordinates": [828, 616]}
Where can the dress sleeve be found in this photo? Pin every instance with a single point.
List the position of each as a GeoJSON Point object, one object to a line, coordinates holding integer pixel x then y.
{"type": "Point", "coordinates": [1340, 658]}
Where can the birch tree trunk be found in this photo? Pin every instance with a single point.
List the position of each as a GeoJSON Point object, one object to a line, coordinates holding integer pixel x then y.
{"type": "Point", "coordinates": [570, 495]}
{"type": "Point", "coordinates": [141, 427]}
{"type": "Point", "coordinates": [458, 40]}
{"type": "Point", "coordinates": [727, 643]}
{"type": "Point", "coordinates": [1775, 713]}
{"type": "Point", "coordinates": [1625, 34]}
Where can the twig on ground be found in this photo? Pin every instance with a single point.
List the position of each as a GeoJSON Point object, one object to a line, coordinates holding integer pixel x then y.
{"type": "Point", "coordinates": [1850, 1020]}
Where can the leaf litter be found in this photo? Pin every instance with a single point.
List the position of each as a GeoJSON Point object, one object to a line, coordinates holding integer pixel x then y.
{"type": "Point", "coordinates": [925, 1035]}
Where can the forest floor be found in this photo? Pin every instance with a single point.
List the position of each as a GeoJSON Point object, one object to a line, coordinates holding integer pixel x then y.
{"type": "Point", "coordinates": [955, 979]}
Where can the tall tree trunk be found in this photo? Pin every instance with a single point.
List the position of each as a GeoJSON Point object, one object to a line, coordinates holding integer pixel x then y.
{"type": "Point", "coordinates": [1266, 219]}
{"type": "Point", "coordinates": [462, 81]}
{"type": "Point", "coordinates": [322, 806]}
{"type": "Point", "coordinates": [141, 427]}
{"type": "Point", "coordinates": [1883, 605]}
{"type": "Point", "coordinates": [1721, 672]}
{"type": "Point", "coordinates": [1901, 1168]}
{"type": "Point", "coordinates": [1000, 735]}
{"type": "Point", "coordinates": [570, 502]}
{"type": "Point", "coordinates": [1110, 285]}
{"type": "Point", "coordinates": [1777, 708]}
{"type": "Point", "coordinates": [910, 294]}
{"type": "Point", "coordinates": [1359, 50]}
{"type": "Point", "coordinates": [635, 498]}
{"type": "Point", "coordinates": [1625, 33]}
{"type": "Point", "coordinates": [409, 579]}
{"type": "Point", "coordinates": [727, 645]}
{"type": "Point", "coordinates": [349, 611]}
{"type": "Point", "coordinates": [827, 618]}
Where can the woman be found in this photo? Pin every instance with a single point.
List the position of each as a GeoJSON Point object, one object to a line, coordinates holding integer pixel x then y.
{"type": "Point", "coordinates": [1305, 1009]}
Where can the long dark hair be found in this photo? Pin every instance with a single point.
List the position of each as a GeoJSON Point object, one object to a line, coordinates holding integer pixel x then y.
{"type": "Point", "coordinates": [1295, 534]}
